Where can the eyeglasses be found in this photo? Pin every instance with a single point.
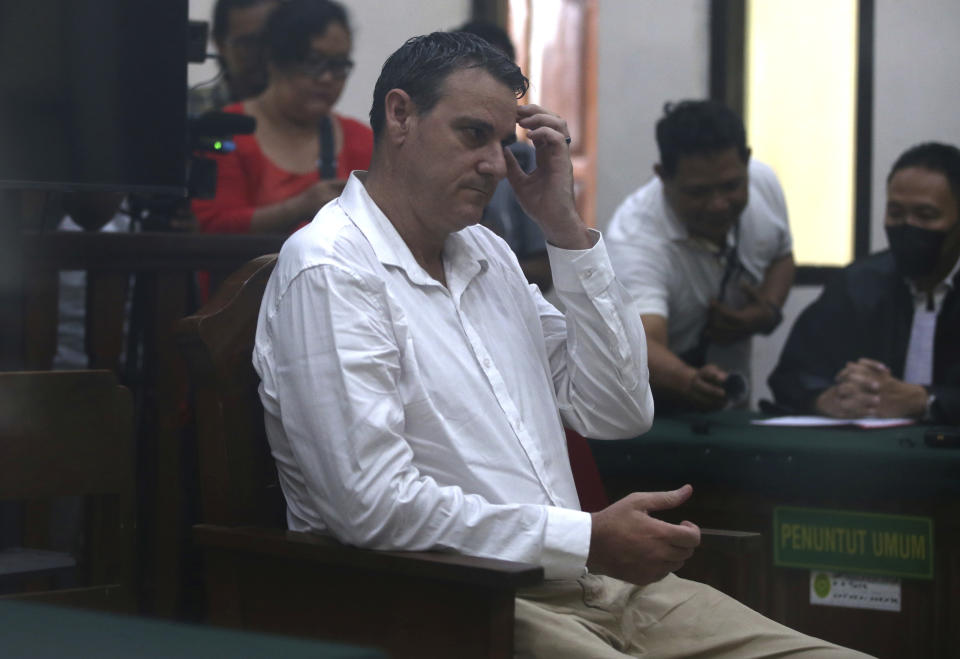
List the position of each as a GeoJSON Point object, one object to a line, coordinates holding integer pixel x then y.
{"type": "Point", "coordinates": [315, 67]}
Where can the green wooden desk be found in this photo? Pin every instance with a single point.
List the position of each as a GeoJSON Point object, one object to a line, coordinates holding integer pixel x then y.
{"type": "Point", "coordinates": [741, 473]}
{"type": "Point", "coordinates": [37, 631]}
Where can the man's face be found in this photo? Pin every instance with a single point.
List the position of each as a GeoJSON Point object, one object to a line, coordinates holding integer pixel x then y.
{"type": "Point", "coordinates": [453, 154]}
{"type": "Point", "coordinates": [241, 51]}
{"type": "Point", "coordinates": [708, 192]}
{"type": "Point", "coordinates": [921, 198]}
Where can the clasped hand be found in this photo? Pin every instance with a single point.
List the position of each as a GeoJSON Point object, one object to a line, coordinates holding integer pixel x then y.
{"type": "Point", "coordinates": [866, 388]}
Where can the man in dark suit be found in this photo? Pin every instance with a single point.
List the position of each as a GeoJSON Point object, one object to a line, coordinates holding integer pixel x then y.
{"type": "Point", "coordinates": [881, 341]}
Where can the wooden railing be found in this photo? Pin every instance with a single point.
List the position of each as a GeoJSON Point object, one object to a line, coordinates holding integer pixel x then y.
{"type": "Point", "coordinates": [164, 267]}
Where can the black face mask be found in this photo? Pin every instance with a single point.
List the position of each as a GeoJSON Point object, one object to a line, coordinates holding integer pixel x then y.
{"type": "Point", "coordinates": [916, 251]}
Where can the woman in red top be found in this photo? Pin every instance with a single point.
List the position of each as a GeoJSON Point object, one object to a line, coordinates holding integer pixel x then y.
{"type": "Point", "coordinates": [271, 182]}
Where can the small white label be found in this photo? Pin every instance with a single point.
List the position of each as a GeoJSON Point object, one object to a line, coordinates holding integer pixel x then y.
{"type": "Point", "coordinates": [854, 591]}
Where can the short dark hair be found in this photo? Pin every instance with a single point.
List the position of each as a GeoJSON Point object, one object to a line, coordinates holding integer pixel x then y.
{"type": "Point", "coordinates": [221, 15]}
{"type": "Point", "coordinates": [693, 128]}
{"type": "Point", "coordinates": [935, 156]}
{"type": "Point", "coordinates": [493, 34]}
{"type": "Point", "coordinates": [294, 24]}
{"type": "Point", "coordinates": [421, 65]}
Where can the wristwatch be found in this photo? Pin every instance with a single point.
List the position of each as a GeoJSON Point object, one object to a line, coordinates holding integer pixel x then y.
{"type": "Point", "coordinates": [931, 401]}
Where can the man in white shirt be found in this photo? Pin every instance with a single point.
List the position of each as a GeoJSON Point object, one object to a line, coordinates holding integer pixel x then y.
{"type": "Point", "coordinates": [415, 387]}
{"type": "Point", "coordinates": [705, 250]}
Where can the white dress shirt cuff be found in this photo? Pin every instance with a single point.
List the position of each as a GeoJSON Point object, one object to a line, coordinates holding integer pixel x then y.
{"type": "Point", "coordinates": [567, 543]}
{"type": "Point", "coordinates": [581, 270]}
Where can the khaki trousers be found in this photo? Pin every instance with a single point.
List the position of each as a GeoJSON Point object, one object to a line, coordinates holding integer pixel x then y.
{"type": "Point", "coordinates": [597, 617]}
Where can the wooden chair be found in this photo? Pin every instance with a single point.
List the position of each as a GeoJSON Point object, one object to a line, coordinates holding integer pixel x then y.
{"type": "Point", "coordinates": [68, 434]}
{"type": "Point", "coordinates": [262, 577]}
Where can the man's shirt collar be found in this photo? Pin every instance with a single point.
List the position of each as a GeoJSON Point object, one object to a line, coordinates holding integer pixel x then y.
{"type": "Point", "coordinates": [950, 281]}
{"type": "Point", "coordinates": [939, 292]}
{"type": "Point", "coordinates": [460, 258]}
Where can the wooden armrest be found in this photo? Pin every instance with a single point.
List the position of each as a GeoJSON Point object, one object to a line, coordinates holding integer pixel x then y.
{"type": "Point", "coordinates": [115, 597]}
{"type": "Point", "coordinates": [726, 539]}
{"type": "Point", "coordinates": [455, 568]}
{"type": "Point", "coordinates": [413, 604]}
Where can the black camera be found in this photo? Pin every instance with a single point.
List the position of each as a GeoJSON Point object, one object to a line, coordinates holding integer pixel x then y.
{"type": "Point", "coordinates": [210, 132]}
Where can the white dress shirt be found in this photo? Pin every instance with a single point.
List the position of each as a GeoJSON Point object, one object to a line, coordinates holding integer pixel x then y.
{"type": "Point", "coordinates": [674, 275]}
{"type": "Point", "coordinates": [919, 364]}
{"type": "Point", "coordinates": [406, 415]}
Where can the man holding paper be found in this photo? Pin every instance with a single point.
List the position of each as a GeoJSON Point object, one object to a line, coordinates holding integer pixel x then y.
{"type": "Point", "coordinates": [881, 340]}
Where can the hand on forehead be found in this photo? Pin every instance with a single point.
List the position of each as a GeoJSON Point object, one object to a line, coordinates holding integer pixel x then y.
{"type": "Point", "coordinates": [542, 126]}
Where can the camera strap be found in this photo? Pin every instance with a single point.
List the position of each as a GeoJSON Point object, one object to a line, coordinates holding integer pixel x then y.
{"type": "Point", "coordinates": [327, 164]}
{"type": "Point", "coordinates": [697, 355]}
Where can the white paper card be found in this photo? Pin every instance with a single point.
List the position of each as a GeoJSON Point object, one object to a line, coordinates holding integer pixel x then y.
{"type": "Point", "coordinates": [854, 591]}
{"type": "Point", "coordinates": [824, 421]}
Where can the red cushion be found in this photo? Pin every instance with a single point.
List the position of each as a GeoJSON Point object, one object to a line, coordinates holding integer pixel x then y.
{"type": "Point", "coordinates": [586, 476]}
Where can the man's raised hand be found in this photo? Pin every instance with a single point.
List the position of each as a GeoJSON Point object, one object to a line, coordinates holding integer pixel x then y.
{"type": "Point", "coordinates": [546, 193]}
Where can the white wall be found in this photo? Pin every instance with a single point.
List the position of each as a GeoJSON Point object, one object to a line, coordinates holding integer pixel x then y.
{"type": "Point", "coordinates": [201, 10]}
{"type": "Point", "coordinates": [650, 52]}
{"type": "Point", "coordinates": [379, 28]}
{"type": "Point", "coordinates": [916, 86]}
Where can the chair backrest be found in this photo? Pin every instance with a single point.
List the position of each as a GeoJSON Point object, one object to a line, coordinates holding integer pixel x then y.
{"type": "Point", "coordinates": [238, 479]}
{"type": "Point", "coordinates": [70, 434]}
